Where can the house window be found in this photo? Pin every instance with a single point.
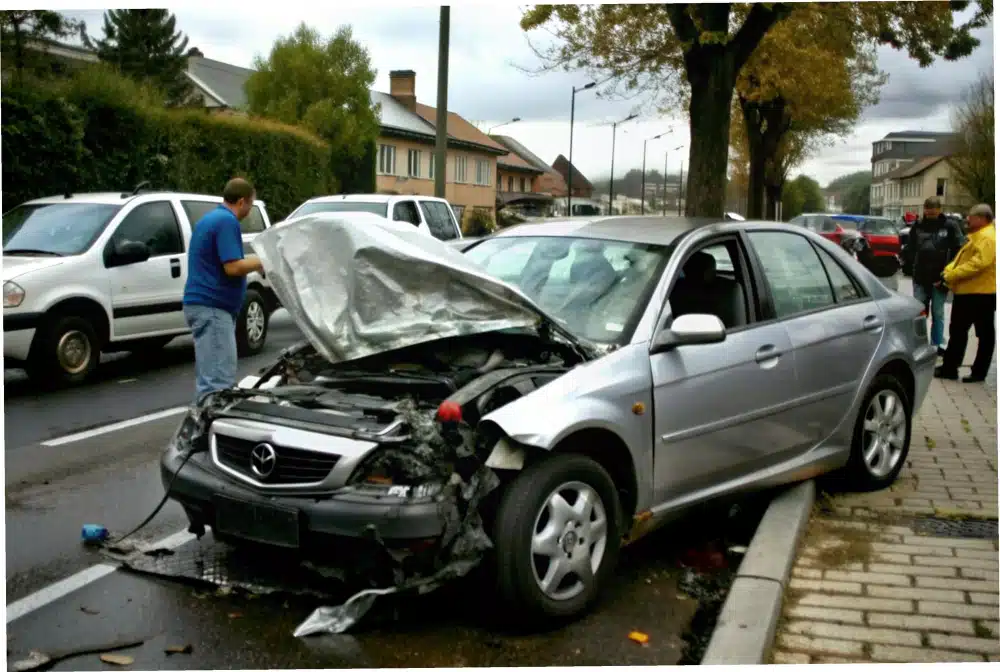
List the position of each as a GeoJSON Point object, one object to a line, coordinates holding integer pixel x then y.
{"type": "Point", "coordinates": [461, 163]}
{"type": "Point", "coordinates": [387, 159]}
{"type": "Point", "coordinates": [483, 172]}
{"type": "Point", "coordinates": [523, 190]}
{"type": "Point", "coordinates": [413, 162]}
{"type": "Point", "coordinates": [510, 183]}
{"type": "Point", "coordinates": [430, 169]}
{"type": "Point", "coordinates": [941, 185]}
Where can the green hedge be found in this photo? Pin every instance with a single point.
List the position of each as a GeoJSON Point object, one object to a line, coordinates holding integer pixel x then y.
{"type": "Point", "coordinates": [98, 131]}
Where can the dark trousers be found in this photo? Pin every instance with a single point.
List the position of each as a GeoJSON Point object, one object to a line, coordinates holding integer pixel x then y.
{"type": "Point", "coordinates": [969, 310]}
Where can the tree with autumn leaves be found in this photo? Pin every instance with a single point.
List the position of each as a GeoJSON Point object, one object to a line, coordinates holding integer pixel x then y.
{"type": "Point", "coordinates": [695, 54]}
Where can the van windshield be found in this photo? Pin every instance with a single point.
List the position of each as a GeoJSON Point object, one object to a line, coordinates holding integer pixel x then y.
{"type": "Point", "coordinates": [380, 209]}
{"type": "Point", "coordinates": [55, 229]}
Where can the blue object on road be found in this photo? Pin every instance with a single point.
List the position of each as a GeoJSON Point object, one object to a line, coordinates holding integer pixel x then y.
{"type": "Point", "coordinates": [94, 533]}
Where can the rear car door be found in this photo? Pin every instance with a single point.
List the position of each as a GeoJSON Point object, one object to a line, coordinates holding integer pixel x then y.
{"type": "Point", "coordinates": [146, 297]}
{"type": "Point", "coordinates": [833, 322]}
{"type": "Point", "coordinates": [721, 410]}
{"type": "Point", "coordinates": [440, 221]}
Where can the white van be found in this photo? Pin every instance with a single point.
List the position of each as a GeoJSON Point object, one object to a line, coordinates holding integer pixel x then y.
{"type": "Point", "coordinates": [431, 215]}
{"type": "Point", "coordinates": [104, 272]}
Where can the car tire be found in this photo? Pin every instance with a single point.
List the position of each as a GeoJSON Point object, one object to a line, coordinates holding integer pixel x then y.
{"type": "Point", "coordinates": [67, 352]}
{"type": "Point", "coordinates": [251, 325]}
{"type": "Point", "coordinates": [881, 440]}
{"type": "Point", "coordinates": [525, 513]}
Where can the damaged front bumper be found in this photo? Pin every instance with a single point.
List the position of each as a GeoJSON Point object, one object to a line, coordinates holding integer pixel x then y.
{"type": "Point", "coordinates": [212, 499]}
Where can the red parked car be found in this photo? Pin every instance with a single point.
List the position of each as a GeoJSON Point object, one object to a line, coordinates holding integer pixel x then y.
{"type": "Point", "coordinates": [880, 233]}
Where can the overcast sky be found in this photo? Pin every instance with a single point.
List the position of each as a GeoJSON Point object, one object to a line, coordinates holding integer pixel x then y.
{"type": "Point", "coordinates": [486, 87]}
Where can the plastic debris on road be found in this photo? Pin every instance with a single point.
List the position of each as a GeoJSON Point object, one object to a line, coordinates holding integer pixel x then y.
{"type": "Point", "coordinates": [639, 637]}
{"type": "Point", "coordinates": [115, 659]}
{"type": "Point", "coordinates": [94, 534]}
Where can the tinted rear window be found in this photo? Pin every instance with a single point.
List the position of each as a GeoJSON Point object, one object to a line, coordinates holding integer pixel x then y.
{"type": "Point", "coordinates": [380, 209]}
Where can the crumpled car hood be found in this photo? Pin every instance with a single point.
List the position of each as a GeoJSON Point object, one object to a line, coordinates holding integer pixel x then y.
{"type": "Point", "coordinates": [357, 284]}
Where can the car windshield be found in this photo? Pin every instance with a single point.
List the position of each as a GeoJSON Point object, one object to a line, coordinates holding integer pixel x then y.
{"type": "Point", "coordinates": [845, 223]}
{"type": "Point", "coordinates": [880, 227]}
{"type": "Point", "coordinates": [380, 209]}
{"type": "Point", "coordinates": [57, 229]}
{"type": "Point", "coordinates": [595, 288]}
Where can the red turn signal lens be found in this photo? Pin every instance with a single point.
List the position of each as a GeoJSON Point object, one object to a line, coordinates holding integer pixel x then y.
{"type": "Point", "coordinates": [449, 411]}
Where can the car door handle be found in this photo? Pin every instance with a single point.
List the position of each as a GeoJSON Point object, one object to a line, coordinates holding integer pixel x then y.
{"type": "Point", "coordinates": [871, 323]}
{"type": "Point", "coordinates": [175, 268]}
{"type": "Point", "coordinates": [767, 352]}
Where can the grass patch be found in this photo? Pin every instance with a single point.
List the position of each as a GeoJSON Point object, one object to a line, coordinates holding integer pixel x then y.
{"type": "Point", "coordinates": [962, 514]}
{"type": "Point", "coordinates": [982, 631]}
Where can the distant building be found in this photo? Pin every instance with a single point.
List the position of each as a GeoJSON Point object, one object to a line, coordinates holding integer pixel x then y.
{"type": "Point", "coordinates": [904, 156]}
{"type": "Point", "coordinates": [520, 179]}
{"type": "Point", "coordinates": [581, 185]}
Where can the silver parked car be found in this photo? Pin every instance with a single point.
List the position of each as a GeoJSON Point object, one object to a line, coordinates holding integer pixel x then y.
{"type": "Point", "coordinates": [550, 394]}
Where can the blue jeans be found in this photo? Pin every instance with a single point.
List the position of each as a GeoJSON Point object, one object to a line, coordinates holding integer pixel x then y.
{"type": "Point", "coordinates": [214, 332]}
{"type": "Point", "coordinates": [936, 299]}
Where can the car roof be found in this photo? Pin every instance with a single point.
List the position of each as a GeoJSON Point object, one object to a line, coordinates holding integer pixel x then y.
{"type": "Point", "coordinates": [119, 198]}
{"type": "Point", "coordinates": [649, 229]}
{"type": "Point", "coordinates": [370, 198]}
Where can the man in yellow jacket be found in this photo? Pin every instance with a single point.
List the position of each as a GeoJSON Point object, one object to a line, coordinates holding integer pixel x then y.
{"type": "Point", "coordinates": [972, 277]}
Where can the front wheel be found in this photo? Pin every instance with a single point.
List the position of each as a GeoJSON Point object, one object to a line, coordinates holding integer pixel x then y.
{"type": "Point", "coordinates": [881, 436]}
{"type": "Point", "coordinates": [67, 353]}
{"type": "Point", "coordinates": [251, 325]}
{"type": "Point", "coordinates": [557, 538]}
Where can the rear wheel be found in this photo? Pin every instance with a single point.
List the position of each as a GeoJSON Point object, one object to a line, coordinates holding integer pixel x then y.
{"type": "Point", "coordinates": [557, 538]}
{"type": "Point", "coordinates": [67, 351]}
{"type": "Point", "coordinates": [881, 435]}
{"type": "Point", "coordinates": [251, 325]}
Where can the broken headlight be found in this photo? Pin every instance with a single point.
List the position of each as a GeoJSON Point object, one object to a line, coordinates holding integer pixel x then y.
{"type": "Point", "coordinates": [190, 436]}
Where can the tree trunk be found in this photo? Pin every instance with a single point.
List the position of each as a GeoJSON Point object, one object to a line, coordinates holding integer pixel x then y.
{"type": "Point", "coordinates": [773, 198]}
{"type": "Point", "coordinates": [712, 74]}
{"type": "Point", "coordinates": [752, 121]}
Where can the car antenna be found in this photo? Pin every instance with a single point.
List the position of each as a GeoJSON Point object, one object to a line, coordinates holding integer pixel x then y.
{"type": "Point", "coordinates": [139, 187]}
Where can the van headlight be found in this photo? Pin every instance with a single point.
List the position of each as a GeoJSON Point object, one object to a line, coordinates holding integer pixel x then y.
{"type": "Point", "coordinates": [13, 294]}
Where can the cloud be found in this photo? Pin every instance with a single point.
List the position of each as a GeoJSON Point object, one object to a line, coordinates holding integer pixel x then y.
{"type": "Point", "coordinates": [485, 87]}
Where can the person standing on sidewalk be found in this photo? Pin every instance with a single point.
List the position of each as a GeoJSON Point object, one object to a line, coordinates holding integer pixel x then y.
{"type": "Point", "coordinates": [972, 277]}
{"type": "Point", "coordinates": [216, 287]}
{"type": "Point", "coordinates": [935, 241]}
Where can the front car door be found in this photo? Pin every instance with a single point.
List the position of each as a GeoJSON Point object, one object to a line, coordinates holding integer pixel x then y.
{"type": "Point", "coordinates": [146, 297]}
{"type": "Point", "coordinates": [721, 411]}
{"type": "Point", "coordinates": [833, 322]}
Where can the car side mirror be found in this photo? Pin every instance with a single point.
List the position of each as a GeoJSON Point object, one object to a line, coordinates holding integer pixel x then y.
{"type": "Point", "coordinates": [691, 329]}
{"type": "Point", "coordinates": [127, 253]}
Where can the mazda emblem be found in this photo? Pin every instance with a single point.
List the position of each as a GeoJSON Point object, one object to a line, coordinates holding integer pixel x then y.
{"type": "Point", "coordinates": [263, 459]}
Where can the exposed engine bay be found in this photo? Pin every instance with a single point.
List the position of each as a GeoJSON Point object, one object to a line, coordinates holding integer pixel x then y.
{"type": "Point", "coordinates": [419, 408]}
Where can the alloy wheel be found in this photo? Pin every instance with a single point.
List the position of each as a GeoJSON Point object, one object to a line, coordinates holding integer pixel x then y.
{"type": "Point", "coordinates": [255, 322]}
{"type": "Point", "coordinates": [884, 433]}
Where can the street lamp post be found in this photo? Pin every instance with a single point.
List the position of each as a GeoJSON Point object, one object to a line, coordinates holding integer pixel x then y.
{"type": "Point", "coordinates": [642, 206]}
{"type": "Point", "coordinates": [614, 132]}
{"type": "Point", "coordinates": [515, 119]}
{"type": "Point", "coordinates": [675, 149]}
{"type": "Point", "coordinates": [569, 177]}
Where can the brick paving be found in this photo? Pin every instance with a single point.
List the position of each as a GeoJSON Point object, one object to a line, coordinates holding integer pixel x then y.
{"type": "Point", "coordinates": [866, 587]}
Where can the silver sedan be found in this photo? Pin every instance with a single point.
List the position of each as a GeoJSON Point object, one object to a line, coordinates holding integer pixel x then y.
{"type": "Point", "coordinates": [608, 374]}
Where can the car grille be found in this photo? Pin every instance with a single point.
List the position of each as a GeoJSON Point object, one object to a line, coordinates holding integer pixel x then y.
{"type": "Point", "coordinates": [291, 465]}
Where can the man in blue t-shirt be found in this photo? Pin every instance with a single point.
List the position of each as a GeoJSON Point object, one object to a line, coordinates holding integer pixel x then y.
{"type": "Point", "coordinates": [216, 286]}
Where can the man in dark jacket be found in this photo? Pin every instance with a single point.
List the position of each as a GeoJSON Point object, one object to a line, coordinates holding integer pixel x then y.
{"type": "Point", "coordinates": [934, 241]}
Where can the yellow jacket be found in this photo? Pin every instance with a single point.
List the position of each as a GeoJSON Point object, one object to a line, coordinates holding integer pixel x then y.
{"type": "Point", "coordinates": [974, 268]}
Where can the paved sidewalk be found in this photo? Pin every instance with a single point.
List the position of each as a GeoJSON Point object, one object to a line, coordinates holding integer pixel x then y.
{"type": "Point", "coordinates": [875, 583]}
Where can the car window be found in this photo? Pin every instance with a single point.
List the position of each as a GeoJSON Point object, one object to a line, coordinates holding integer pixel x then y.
{"type": "Point", "coordinates": [844, 288]}
{"type": "Point", "coordinates": [406, 211]}
{"type": "Point", "coordinates": [380, 209]}
{"type": "Point", "coordinates": [828, 225]}
{"type": "Point", "coordinates": [594, 288]}
{"type": "Point", "coordinates": [793, 271]}
{"type": "Point", "coordinates": [708, 283]}
{"type": "Point", "coordinates": [154, 224]}
{"type": "Point", "coordinates": [879, 227]}
{"type": "Point", "coordinates": [55, 228]}
{"type": "Point", "coordinates": [439, 220]}
{"type": "Point", "coordinates": [195, 210]}
{"type": "Point", "coordinates": [253, 222]}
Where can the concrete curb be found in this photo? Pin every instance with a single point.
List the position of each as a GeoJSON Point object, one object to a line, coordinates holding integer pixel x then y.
{"type": "Point", "coordinates": [746, 626]}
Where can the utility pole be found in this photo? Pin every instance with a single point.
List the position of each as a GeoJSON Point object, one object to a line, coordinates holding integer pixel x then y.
{"type": "Point", "coordinates": [665, 156]}
{"type": "Point", "coordinates": [680, 190]}
{"type": "Point", "coordinates": [441, 139]}
{"type": "Point", "coordinates": [614, 133]}
{"type": "Point", "coordinates": [642, 206]}
{"type": "Point", "coordinates": [569, 176]}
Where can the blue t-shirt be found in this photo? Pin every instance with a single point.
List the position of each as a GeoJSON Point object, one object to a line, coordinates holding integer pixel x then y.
{"type": "Point", "coordinates": [215, 240]}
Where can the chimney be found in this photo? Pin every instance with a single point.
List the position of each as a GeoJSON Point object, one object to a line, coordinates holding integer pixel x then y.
{"type": "Point", "coordinates": [403, 87]}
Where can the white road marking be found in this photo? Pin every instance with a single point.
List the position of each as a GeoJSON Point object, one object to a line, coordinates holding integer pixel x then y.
{"type": "Point", "coordinates": [71, 584]}
{"type": "Point", "coordinates": [127, 380]}
{"type": "Point", "coordinates": [114, 427]}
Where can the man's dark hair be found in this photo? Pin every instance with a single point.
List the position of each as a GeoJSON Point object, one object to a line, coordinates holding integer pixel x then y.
{"type": "Point", "coordinates": [236, 190]}
{"type": "Point", "coordinates": [933, 202]}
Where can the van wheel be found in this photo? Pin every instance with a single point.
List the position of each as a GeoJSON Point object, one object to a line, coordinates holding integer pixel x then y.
{"type": "Point", "coordinates": [881, 436]}
{"type": "Point", "coordinates": [557, 538]}
{"type": "Point", "coordinates": [251, 326]}
{"type": "Point", "coordinates": [67, 352]}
